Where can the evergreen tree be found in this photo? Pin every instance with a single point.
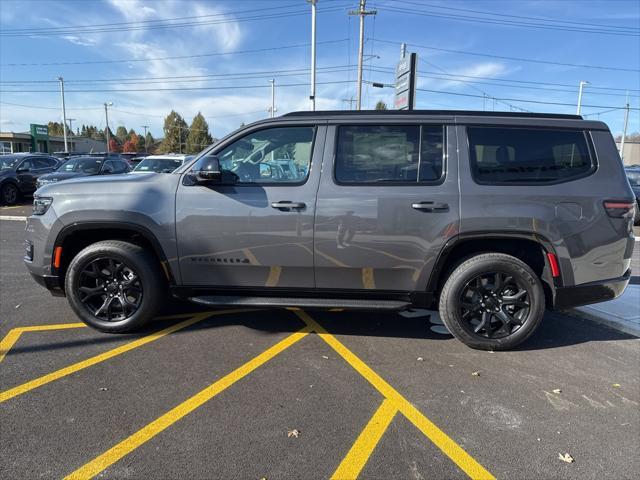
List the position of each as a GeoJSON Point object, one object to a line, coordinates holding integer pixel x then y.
{"type": "Point", "coordinates": [381, 105]}
{"type": "Point", "coordinates": [175, 134]}
{"type": "Point", "coordinates": [199, 136]}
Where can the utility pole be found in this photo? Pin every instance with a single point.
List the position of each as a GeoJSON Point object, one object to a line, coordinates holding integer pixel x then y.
{"type": "Point", "coordinates": [582, 84]}
{"type": "Point", "coordinates": [361, 12]}
{"type": "Point", "coordinates": [145, 137]}
{"type": "Point", "coordinates": [312, 97]}
{"type": "Point", "coordinates": [64, 115]}
{"type": "Point", "coordinates": [350, 101]}
{"type": "Point", "coordinates": [106, 116]}
{"type": "Point", "coordinates": [272, 109]}
{"type": "Point", "coordinates": [71, 120]}
{"type": "Point", "coordinates": [624, 129]}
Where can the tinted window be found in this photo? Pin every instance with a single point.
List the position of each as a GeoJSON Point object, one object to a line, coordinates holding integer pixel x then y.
{"type": "Point", "coordinates": [518, 155]}
{"type": "Point", "coordinates": [158, 165]}
{"type": "Point", "coordinates": [259, 156]}
{"type": "Point", "coordinates": [43, 163]}
{"type": "Point", "coordinates": [87, 165]}
{"type": "Point", "coordinates": [391, 153]}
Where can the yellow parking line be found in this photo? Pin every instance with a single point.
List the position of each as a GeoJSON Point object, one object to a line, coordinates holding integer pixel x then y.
{"type": "Point", "coordinates": [63, 372]}
{"type": "Point", "coordinates": [145, 434]}
{"type": "Point", "coordinates": [274, 277]}
{"type": "Point", "coordinates": [368, 281]}
{"type": "Point", "coordinates": [252, 258]}
{"type": "Point", "coordinates": [448, 446]}
{"type": "Point", "coordinates": [12, 337]}
{"type": "Point", "coordinates": [335, 261]}
{"type": "Point", "coordinates": [365, 444]}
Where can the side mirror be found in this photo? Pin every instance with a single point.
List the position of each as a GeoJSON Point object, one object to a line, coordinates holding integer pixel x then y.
{"type": "Point", "coordinates": [209, 171]}
{"type": "Point", "coordinates": [265, 171]}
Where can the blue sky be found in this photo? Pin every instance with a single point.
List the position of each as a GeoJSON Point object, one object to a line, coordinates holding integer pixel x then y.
{"type": "Point", "coordinates": [232, 86]}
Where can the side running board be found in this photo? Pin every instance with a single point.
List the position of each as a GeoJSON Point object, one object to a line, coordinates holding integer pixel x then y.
{"type": "Point", "coordinates": [351, 304]}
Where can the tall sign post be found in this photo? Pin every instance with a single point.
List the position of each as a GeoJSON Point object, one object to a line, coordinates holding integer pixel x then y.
{"type": "Point", "coordinates": [406, 80]}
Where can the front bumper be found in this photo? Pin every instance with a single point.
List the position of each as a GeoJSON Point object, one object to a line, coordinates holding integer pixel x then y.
{"type": "Point", "coordinates": [50, 282]}
{"type": "Point", "coordinates": [593, 292]}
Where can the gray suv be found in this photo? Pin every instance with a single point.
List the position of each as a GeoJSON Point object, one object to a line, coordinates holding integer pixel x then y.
{"type": "Point", "coordinates": [489, 217]}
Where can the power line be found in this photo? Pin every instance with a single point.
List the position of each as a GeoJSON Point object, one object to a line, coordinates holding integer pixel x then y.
{"type": "Point", "coordinates": [230, 87]}
{"type": "Point", "coordinates": [174, 57]}
{"type": "Point", "coordinates": [519, 59]}
{"type": "Point", "coordinates": [542, 19]}
{"type": "Point", "coordinates": [80, 31]}
{"type": "Point", "coordinates": [48, 108]}
{"type": "Point", "coordinates": [495, 21]}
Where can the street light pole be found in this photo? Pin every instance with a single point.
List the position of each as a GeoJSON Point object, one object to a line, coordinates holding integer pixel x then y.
{"type": "Point", "coordinates": [106, 116]}
{"type": "Point", "coordinates": [64, 115]}
{"type": "Point", "coordinates": [582, 84]}
{"type": "Point", "coordinates": [624, 130]}
{"type": "Point", "coordinates": [361, 12]}
{"type": "Point", "coordinates": [312, 97]}
{"type": "Point", "coordinates": [145, 137]}
{"type": "Point", "coordinates": [273, 97]}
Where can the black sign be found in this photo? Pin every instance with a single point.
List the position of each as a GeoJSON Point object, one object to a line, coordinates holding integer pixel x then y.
{"type": "Point", "coordinates": [406, 73]}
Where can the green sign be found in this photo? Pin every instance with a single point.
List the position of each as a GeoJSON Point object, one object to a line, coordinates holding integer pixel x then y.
{"type": "Point", "coordinates": [39, 131]}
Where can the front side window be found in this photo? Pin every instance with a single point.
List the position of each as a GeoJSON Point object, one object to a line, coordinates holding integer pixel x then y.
{"type": "Point", "coordinates": [275, 155]}
{"type": "Point", "coordinates": [88, 165]}
{"type": "Point", "coordinates": [389, 154]}
{"type": "Point", "coordinates": [519, 155]}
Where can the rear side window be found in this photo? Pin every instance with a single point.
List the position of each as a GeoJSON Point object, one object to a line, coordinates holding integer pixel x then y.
{"type": "Point", "coordinates": [520, 155]}
{"type": "Point", "coordinates": [370, 154]}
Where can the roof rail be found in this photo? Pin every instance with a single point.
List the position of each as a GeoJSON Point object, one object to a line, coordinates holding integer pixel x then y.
{"type": "Point", "coordinates": [475, 113]}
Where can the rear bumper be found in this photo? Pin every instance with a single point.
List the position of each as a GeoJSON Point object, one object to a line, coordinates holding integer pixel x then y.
{"type": "Point", "coordinates": [593, 292]}
{"type": "Point", "coordinates": [50, 282]}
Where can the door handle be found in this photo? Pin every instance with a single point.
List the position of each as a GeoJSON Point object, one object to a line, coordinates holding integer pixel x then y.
{"type": "Point", "coordinates": [287, 205]}
{"type": "Point", "coordinates": [430, 206]}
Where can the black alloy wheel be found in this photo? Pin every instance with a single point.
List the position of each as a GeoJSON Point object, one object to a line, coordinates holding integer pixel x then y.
{"type": "Point", "coordinates": [110, 289]}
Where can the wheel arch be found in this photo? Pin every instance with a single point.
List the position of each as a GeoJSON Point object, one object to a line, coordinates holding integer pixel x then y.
{"type": "Point", "coordinates": [74, 237]}
{"type": "Point", "coordinates": [518, 244]}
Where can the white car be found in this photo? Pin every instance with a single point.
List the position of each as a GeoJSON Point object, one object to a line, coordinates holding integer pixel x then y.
{"type": "Point", "coordinates": [161, 163]}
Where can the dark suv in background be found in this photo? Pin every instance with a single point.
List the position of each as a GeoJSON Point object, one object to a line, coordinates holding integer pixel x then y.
{"type": "Point", "coordinates": [489, 217]}
{"type": "Point", "coordinates": [83, 166]}
{"type": "Point", "coordinates": [19, 173]}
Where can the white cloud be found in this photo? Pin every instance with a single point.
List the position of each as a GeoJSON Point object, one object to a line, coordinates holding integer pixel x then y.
{"type": "Point", "coordinates": [85, 42]}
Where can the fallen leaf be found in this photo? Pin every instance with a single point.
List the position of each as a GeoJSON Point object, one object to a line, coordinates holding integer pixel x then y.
{"type": "Point", "coordinates": [617, 385]}
{"type": "Point", "coordinates": [556, 390]}
{"type": "Point", "coordinates": [293, 433]}
{"type": "Point", "coordinates": [420, 359]}
{"type": "Point", "coordinates": [475, 374]}
{"type": "Point", "coordinates": [566, 458]}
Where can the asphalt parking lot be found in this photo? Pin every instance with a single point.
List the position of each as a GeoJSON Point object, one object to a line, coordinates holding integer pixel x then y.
{"type": "Point", "coordinates": [304, 394]}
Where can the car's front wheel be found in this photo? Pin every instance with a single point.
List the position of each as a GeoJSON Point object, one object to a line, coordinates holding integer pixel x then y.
{"type": "Point", "coordinates": [492, 301]}
{"type": "Point", "coordinates": [9, 194]}
{"type": "Point", "coordinates": [114, 286]}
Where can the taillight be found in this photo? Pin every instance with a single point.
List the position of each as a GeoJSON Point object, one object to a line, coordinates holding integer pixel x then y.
{"type": "Point", "coordinates": [619, 209]}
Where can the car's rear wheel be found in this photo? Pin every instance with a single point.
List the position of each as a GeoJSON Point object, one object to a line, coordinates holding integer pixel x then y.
{"type": "Point", "coordinates": [9, 194]}
{"type": "Point", "coordinates": [114, 286]}
{"type": "Point", "coordinates": [492, 301]}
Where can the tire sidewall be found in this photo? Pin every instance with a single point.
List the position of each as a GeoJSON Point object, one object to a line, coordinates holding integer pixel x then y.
{"type": "Point", "coordinates": [450, 300]}
{"type": "Point", "coordinates": [137, 259]}
{"type": "Point", "coordinates": [4, 188]}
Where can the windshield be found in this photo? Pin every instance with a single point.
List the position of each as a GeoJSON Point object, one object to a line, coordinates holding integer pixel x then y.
{"type": "Point", "coordinates": [634, 178]}
{"type": "Point", "coordinates": [82, 165]}
{"type": "Point", "coordinates": [158, 165]}
{"type": "Point", "coordinates": [7, 163]}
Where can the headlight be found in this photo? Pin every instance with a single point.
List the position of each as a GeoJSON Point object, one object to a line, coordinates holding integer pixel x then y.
{"type": "Point", "coordinates": [41, 205]}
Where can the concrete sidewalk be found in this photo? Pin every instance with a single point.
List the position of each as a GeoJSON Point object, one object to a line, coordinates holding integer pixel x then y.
{"type": "Point", "coordinates": [623, 313]}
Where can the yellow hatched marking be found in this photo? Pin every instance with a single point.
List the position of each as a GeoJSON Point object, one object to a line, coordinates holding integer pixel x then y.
{"type": "Point", "coordinates": [63, 372]}
{"type": "Point", "coordinates": [353, 463]}
{"type": "Point", "coordinates": [440, 439]}
{"type": "Point", "coordinates": [14, 334]}
{"type": "Point", "coordinates": [274, 276]}
{"type": "Point", "coordinates": [152, 429]}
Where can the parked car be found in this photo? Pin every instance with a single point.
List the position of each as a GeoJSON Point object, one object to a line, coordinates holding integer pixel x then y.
{"type": "Point", "coordinates": [489, 217]}
{"type": "Point", "coordinates": [85, 166]}
{"type": "Point", "coordinates": [161, 163]}
{"type": "Point", "coordinates": [19, 172]}
{"type": "Point", "coordinates": [633, 175]}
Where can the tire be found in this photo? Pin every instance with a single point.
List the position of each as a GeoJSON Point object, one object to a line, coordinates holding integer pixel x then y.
{"type": "Point", "coordinates": [115, 286]}
{"type": "Point", "coordinates": [9, 194]}
{"type": "Point", "coordinates": [482, 320]}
